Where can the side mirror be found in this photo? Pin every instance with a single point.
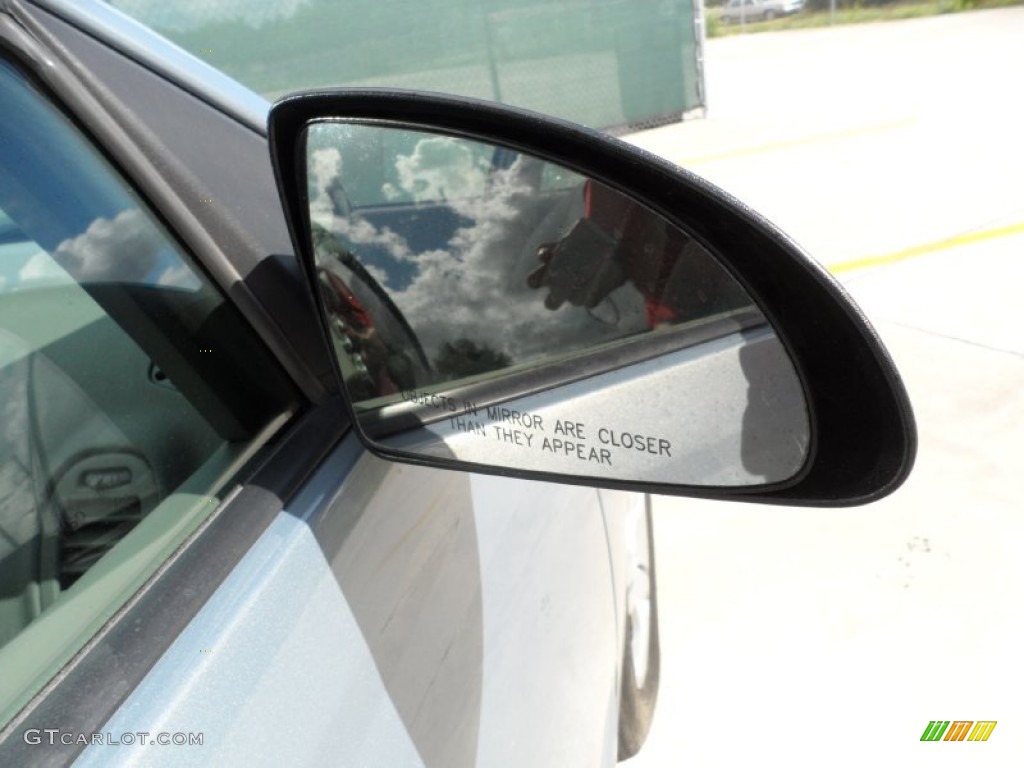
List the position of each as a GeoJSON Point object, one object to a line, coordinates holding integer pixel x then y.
{"type": "Point", "coordinates": [509, 293]}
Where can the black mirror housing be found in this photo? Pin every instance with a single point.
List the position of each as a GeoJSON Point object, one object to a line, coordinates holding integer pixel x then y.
{"type": "Point", "coordinates": [862, 440]}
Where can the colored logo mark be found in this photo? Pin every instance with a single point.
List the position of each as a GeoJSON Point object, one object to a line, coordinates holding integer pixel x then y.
{"type": "Point", "coordinates": [959, 730]}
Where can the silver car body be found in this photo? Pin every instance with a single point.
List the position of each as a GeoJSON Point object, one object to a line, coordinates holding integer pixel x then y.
{"type": "Point", "coordinates": [450, 620]}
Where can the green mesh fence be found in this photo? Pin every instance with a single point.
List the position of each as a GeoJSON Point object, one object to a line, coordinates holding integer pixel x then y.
{"type": "Point", "coordinates": [607, 64]}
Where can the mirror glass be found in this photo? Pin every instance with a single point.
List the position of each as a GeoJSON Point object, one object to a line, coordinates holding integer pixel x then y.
{"type": "Point", "coordinates": [496, 308]}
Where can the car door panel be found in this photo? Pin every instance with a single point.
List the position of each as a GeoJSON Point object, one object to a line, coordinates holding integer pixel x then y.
{"type": "Point", "coordinates": [273, 670]}
{"type": "Point", "coordinates": [551, 659]}
{"type": "Point", "coordinates": [618, 509]}
{"type": "Point", "coordinates": [406, 610]}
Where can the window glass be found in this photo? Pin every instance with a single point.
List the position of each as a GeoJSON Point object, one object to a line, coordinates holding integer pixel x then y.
{"type": "Point", "coordinates": [120, 365]}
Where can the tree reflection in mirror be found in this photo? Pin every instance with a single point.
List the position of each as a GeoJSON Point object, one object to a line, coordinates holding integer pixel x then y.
{"type": "Point", "coordinates": [499, 309]}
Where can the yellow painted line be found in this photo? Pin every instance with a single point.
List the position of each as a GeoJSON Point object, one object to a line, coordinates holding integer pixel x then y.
{"type": "Point", "coordinates": [938, 245]}
{"type": "Point", "coordinates": [792, 143]}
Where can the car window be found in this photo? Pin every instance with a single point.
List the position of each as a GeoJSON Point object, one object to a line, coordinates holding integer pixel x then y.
{"type": "Point", "coordinates": [122, 369]}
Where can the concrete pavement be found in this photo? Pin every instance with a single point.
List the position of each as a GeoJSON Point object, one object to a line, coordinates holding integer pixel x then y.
{"type": "Point", "coordinates": [832, 637]}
